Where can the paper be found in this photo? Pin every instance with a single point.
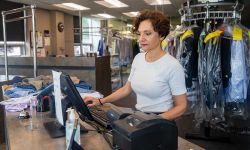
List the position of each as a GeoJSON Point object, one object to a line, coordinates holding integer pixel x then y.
{"type": "Point", "coordinates": [58, 96]}
{"type": "Point", "coordinates": [46, 41]}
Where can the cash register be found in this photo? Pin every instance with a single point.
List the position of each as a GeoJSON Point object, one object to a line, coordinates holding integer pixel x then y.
{"type": "Point", "coordinates": [141, 131]}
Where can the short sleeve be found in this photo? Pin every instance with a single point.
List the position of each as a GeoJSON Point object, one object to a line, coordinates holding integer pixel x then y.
{"type": "Point", "coordinates": [133, 67]}
{"type": "Point", "coordinates": [177, 80]}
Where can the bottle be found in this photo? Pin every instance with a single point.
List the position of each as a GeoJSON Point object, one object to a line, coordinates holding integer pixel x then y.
{"type": "Point", "coordinates": [70, 126]}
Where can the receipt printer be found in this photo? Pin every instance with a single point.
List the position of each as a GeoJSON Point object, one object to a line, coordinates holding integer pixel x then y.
{"type": "Point", "coordinates": [141, 131]}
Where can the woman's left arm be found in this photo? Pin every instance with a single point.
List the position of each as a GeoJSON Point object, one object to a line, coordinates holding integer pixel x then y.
{"type": "Point", "coordinates": [180, 106]}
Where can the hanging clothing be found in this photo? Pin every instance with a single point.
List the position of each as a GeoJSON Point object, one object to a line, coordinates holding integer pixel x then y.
{"type": "Point", "coordinates": [136, 48]}
{"type": "Point", "coordinates": [100, 47]}
{"type": "Point", "coordinates": [187, 54]}
{"type": "Point", "coordinates": [184, 55]}
{"type": "Point", "coordinates": [237, 89]}
{"type": "Point", "coordinates": [125, 48]}
{"type": "Point", "coordinates": [213, 68]}
{"type": "Point", "coordinates": [173, 41]}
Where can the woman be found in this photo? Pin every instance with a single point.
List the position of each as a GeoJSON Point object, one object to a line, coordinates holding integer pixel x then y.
{"type": "Point", "coordinates": [156, 77]}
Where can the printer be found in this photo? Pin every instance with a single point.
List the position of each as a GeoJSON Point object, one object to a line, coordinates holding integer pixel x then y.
{"type": "Point", "coordinates": [141, 131]}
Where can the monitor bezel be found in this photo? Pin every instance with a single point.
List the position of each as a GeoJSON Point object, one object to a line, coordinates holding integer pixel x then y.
{"type": "Point", "coordinates": [68, 88]}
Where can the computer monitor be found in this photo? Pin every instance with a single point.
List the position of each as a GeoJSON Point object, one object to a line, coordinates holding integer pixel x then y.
{"type": "Point", "coordinates": [56, 128]}
{"type": "Point", "coordinates": [72, 95]}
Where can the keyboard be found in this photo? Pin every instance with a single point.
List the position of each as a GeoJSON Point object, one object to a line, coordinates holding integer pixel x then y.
{"type": "Point", "coordinates": [100, 116]}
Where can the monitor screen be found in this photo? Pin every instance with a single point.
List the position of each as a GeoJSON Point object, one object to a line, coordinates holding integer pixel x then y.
{"type": "Point", "coordinates": [61, 103]}
{"type": "Point", "coordinates": [56, 128]}
{"type": "Point", "coordinates": [58, 97]}
{"type": "Point", "coordinates": [72, 95]}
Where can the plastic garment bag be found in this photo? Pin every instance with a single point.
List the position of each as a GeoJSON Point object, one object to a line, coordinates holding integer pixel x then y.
{"type": "Point", "coordinates": [215, 94]}
{"type": "Point", "coordinates": [184, 54]}
{"type": "Point", "coordinates": [188, 57]}
{"type": "Point", "coordinates": [210, 80]}
{"type": "Point", "coordinates": [201, 110]}
{"type": "Point", "coordinates": [237, 88]}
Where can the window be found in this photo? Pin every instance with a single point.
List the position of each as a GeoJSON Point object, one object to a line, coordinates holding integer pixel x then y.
{"type": "Point", "coordinates": [90, 36]}
{"type": "Point", "coordinates": [13, 48]}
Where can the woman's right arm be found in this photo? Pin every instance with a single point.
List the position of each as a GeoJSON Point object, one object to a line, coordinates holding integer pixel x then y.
{"type": "Point", "coordinates": [117, 95]}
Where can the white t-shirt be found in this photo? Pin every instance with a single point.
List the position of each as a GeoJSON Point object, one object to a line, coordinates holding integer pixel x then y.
{"type": "Point", "coordinates": [155, 82]}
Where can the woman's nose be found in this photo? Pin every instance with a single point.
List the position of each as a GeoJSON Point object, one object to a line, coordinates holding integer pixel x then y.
{"type": "Point", "coordinates": [141, 38]}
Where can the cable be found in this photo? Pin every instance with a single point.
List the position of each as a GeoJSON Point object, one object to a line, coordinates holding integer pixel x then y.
{"type": "Point", "coordinates": [107, 140]}
{"type": "Point", "coordinates": [102, 131]}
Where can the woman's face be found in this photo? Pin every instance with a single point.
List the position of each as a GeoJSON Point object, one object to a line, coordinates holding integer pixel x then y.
{"type": "Point", "coordinates": [147, 37]}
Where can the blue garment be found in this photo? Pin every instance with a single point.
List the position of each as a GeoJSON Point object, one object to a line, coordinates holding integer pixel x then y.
{"type": "Point", "coordinates": [18, 92]}
{"type": "Point", "coordinates": [100, 47]}
{"type": "Point", "coordinates": [81, 90]}
{"type": "Point", "coordinates": [16, 79]}
{"type": "Point", "coordinates": [237, 89]}
{"type": "Point", "coordinates": [24, 86]}
{"type": "Point", "coordinates": [84, 85]}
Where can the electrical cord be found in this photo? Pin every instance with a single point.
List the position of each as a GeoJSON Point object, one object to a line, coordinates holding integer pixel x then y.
{"type": "Point", "coordinates": [102, 131]}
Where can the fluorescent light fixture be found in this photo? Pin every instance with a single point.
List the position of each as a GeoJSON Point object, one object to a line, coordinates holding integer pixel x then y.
{"type": "Point", "coordinates": [158, 2]}
{"type": "Point", "coordinates": [111, 3]}
{"type": "Point", "coordinates": [71, 6]}
{"type": "Point", "coordinates": [132, 13]}
{"type": "Point", "coordinates": [104, 15]}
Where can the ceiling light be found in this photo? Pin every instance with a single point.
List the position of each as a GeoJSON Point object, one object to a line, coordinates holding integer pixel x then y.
{"type": "Point", "coordinates": [111, 3]}
{"type": "Point", "coordinates": [104, 15]}
{"type": "Point", "coordinates": [158, 2]}
{"type": "Point", "coordinates": [132, 14]}
{"type": "Point", "coordinates": [71, 6]}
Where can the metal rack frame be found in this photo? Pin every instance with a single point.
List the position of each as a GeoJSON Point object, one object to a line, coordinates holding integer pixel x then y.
{"type": "Point", "coordinates": [13, 11]}
{"type": "Point", "coordinates": [188, 12]}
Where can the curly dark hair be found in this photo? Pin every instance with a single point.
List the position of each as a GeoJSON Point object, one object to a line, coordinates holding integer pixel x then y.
{"type": "Point", "coordinates": [159, 21]}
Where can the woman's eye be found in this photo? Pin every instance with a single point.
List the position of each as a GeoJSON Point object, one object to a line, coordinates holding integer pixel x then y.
{"type": "Point", "coordinates": [137, 34]}
{"type": "Point", "coordinates": [148, 33]}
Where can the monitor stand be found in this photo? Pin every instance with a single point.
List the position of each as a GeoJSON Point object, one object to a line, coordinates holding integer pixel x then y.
{"type": "Point", "coordinates": [56, 130]}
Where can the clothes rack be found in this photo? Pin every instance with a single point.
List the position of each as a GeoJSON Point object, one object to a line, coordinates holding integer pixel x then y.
{"type": "Point", "coordinates": [203, 11]}
{"type": "Point", "coordinates": [208, 12]}
{"type": "Point", "coordinates": [32, 16]}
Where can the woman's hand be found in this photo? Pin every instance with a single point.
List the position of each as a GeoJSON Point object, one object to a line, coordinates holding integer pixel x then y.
{"type": "Point", "coordinates": [91, 101]}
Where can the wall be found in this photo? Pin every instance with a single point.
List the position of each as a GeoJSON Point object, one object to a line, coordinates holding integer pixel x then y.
{"type": "Point", "coordinates": [69, 38]}
{"type": "Point", "coordinates": [42, 23]}
{"type": "Point", "coordinates": [59, 43]}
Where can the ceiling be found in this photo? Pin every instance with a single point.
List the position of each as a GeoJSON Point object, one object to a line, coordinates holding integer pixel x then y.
{"type": "Point", "coordinates": [134, 5]}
